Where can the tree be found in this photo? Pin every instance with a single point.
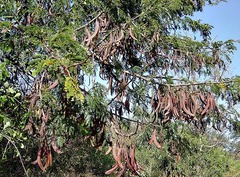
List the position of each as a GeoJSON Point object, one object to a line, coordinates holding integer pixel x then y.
{"type": "Point", "coordinates": [201, 155]}
{"type": "Point", "coordinates": [112, 71]}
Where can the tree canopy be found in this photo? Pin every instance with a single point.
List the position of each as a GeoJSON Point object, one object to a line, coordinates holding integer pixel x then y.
{"type": "Point", "coordinates": [117, 74]}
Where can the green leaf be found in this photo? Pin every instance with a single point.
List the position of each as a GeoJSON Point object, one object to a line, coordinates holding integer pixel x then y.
{"type": "Point", "coordinates": [22, 146]}
{"type": "Point", "coordinates": [72, 89]}
{"type": "Point", "coordinates": [60, 141]}
{"type": "Point", "coordinates": [6, 125]}
{"type": "Point", "coordinates": [17, 95]}
{"type": "Point", "coordinates": [11, 90]}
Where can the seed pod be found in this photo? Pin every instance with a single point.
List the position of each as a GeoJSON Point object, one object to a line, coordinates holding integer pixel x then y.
{"type": "Point", "coordinates": [210, 105]}
{"type": "Point", "coordinates": [49, 159]}
{"type": "Point", "coordinates": [114, 151]}
{"type": "Point", "coordinates": [109, 150]}
{"type": "Point", "coordinates": [122, 171]}
{"type": "Point", "coordinates": [169, 103]}
{"type": "Point", "coordinates": [207, 105]}
{"type": "Point", "coordinates": [154, 140]}
{"type": "Point", "coordinates": [53, 143]}
{"type": "Point", "coordinates": [120, 111]}
{"type": "Point", "coordinates": [178, 157]}
{"type": "Point", "coordinates": [202, 98]}
{"type": "Point", "coordinates": [194, 104]}
{"type": "Point", "coordinates": [131, 34]}
{"type": "Point", "coordinates": [183, 105]}
{"type": "Point", "coordinates": [133, 158]}
{"type": "Point", "coordinates": [119, 158]}
{"type": "Point", "coordinates": [120, 37]}
{"type": "Point", "coordinates": [127, 105]}
{"type": "Point", "coordinates": [89, 39]}
{"type": "Point", "coordinates": [39, 161]}
{"type": "Point", "coordinates": [175, 112]}
{"type": "Point", "coordinates": [127, 160]}
{"type": "Point", "coordinates": [55, 83]}
{"type": "Point", "coordinates": [115, 167]}
{"type": "Point", "coordinates": [97, 28]}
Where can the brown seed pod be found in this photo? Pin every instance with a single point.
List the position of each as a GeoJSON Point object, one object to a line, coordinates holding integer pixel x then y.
{"type": "Point", "coordinates": [114, 152]}
{"type": "Point", "coordinates": [131, 34]}
{"type": "Point", "coordinates": [89, 39]}
{"type": "Point", "coordinates": [110, 171]}
{"type": "Point", "coordinates": [119, 158]}
{"type": "Point", "coordinates": [34, 162]}
{"type": "Point", "coordinates": [154, 140]}
{"type": "Point", "coordinates": [175, 112]}
{"type": "Point", "coordinates": [109, 150]}
{"type": "Point", "coordinates": [132, 158]}
{"type": "Point", "coordinates": [106, 53]}
{"type": "Point", "coordinates": [122, 171]}
{"type": "Point", "coordinates": [166, 120]}
{"type": "Point", "coordinates": [120, 37]}
{"type": "Point", "coordinates": [207, 105]}
{"type": "Point", "coordinates": [97, 28]}
{"type": "Point", "coordinates": [49, 159]}
{"type": "Point", "coordinates": [33, 101]}
{"type": "Point", "coordinates": [42, 130]}
{"type": "Point", "coordinates": [178, 157]}
{"type": "Point", "coordinates": [210, 108]}
{"type": "Point", "coordinates": [53, 143]}
{"type": "Point", "coordinates": [55, 84]}
{"type": "Point", "coordinates": [180, 104]}
{"type": "Point", "coordinates": [183, 105]}
{"type": "Point", "coordinates": [195, 105]}
{"type": "Point", "coordinates": [39, 161]}
{"type": "Point", "coordinates": [50, 11]}
{"type": "Point", "coordinates": [169, 103]}
{"type": "Point", "coordinates": [127, 160]}
{"type": "Point", "coordinates": [127, 105]}
{"type": "Point", "coordinates": [202, 98]}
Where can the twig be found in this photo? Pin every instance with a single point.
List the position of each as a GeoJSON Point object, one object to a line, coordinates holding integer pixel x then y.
{"type": "Point", "coordinates": [5, 150]}
{"type": "Point", "coordinates": [78, 29]}
{"type": "Point", "coordinates": [127, 119]}
{"type": "Point", "coordinates": [200, 83]}
{"type": "Point", "coordinates": [137, 121]}
{"type": "Point", "coordinates": [148, 79]}
{"type": "Point", "coordinates": [20, 157]}
{"type": "Point", "coordinates": [125, 135]}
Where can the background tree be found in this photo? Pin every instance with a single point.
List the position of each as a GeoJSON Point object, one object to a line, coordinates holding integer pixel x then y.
{"type": "Point", "coordinates": [114, 73]}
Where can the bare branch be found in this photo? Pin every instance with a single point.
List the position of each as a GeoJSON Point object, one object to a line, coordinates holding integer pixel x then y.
{"type": "Point", "coordinates": [201, 83]}
{"type": "Point", "coordinates": [148, 79]}
{"type": "Point", "coordinates": [78, 29]}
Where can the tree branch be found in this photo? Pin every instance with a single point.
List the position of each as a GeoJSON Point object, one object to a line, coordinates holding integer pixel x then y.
{"type": "Point", "coordinates": [20, 157]}
{"type": "Point", "coordinates": [148, 79]}
{"type": "Point", "coordinates": [78, 29]}
{"type": "Point", "coordinates": [200, 83]}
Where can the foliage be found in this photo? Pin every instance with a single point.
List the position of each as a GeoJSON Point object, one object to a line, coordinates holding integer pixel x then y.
{"type": "Point", "coordinates": [201, 155]}
{"type": "Point", "coordinates": [117, 74]}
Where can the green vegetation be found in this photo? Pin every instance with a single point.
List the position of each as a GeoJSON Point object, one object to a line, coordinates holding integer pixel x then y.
{"type": "Point", "coordinates": [79, 79]}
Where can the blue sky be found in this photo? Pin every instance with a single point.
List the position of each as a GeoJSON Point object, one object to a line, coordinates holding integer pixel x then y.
{"type": "Point", "coordinates": [225, 18]}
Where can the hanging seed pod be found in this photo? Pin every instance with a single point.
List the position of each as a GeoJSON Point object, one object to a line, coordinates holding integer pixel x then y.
{"type": "Point", "coordinates": [112, 170]}
{"type": "Point", "coordinates": [127, 105]}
